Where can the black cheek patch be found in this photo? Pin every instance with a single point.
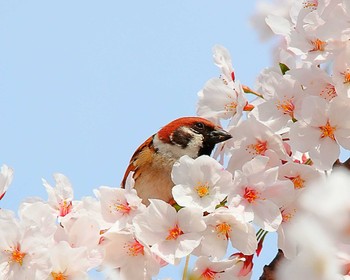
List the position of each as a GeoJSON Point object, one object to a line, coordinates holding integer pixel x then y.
{"type": "Point", "coordinates": [206, 149]}
{"type": "Point", "coordinates": [180, 138]}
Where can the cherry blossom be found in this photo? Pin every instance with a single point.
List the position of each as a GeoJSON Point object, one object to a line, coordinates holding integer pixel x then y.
{"type": "Point", "coordinates": [315, 81]}
{"type": "Point", "coordinates": [220, 100]}
{"type": "Point", "coordinates": [261, 194]}
{"type": "Point", "coordinates": [60, 196]}
{"type": "Point", "coordinates": [67, 262]}
{"type": "Point", "coordinates": [23, 253]}
{"type": "Point", "coordinates": [171, 234]}
{"type": "Point", "coordinates": [205, 269]}
{"type": "Point", "coordinates": [119, 206]}
{"type": "Point", "coordinates": [222, 59]}
{"type": "Point", "coordinates": [341, 71]}
{"type": "Point", "coordinates": [278, 9]}
{"type": "Point", "coordinates": [251, 138]}
{"type": "Point", "coordinates": [329, 200]}
{"type": "Point", "coordinates": [277, 173]}
{"type": "Point", "coordinates": [279, 110]}
{"type": "Point", "coordinates": [226, 225]}
{"type": "Point", "coordinates": [301, 175]}
{"type": "Point", "coordinates": [321, 128]}
{"type": "Point", "coordinates": [266, 82]}
{"type": "Point", "coordinates": [300, 8]}
{"type": "Point", "coordinates": [200, 182]}
{"type": "Point", "coordinates": [323, 208]}
{"type": "Point", "coordinates": [319, 33]}
{"type": "Point", "coordinates": [82, 232]}
{"type": "Point", "coordinates": [133, 259]}
{"type": "Point", "coordinates": [38, 214]}
{"type": "Point", "coordinates": [286, 242]}
{"type": "Point", "coordinates": [316, 255]}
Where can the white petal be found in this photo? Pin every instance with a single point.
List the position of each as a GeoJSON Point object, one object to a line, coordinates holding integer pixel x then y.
{"type": "Point", "coordinates": [267, 215]}
{"type": "Point", "coordinates": [314, 110]}
{"type": "Point", "coordinates": [187, 243]}
{"type": "Point", "coordinates": [325, 154]}
{"type": "Point", "coordinates": [243, 238]}
{"type": "Point", "coordinates": [279, 25]}
{"type": "Point", "coordinates": [303, 137]}
{"type": "Point", "coordinates": [179, 174]}
{"type": "Point", "coordinates": [191, 220]}
{"type": "Point", "coordinates": [214, 245]}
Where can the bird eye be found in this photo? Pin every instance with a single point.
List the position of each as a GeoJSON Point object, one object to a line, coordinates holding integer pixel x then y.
{"type": "Point", "coordinates": [199, 125]}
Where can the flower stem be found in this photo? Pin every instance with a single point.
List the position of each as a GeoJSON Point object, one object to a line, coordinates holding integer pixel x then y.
{"type": "Point", "coordinates": [264, 235]}
{"type": "Point", "coordinates": [184, 275]}
{"type": "Point", "coordinates": [259, 233]}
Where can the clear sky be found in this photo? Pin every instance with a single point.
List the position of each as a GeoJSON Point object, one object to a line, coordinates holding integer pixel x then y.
{"type": "Point", "coordinates": [83, 83]}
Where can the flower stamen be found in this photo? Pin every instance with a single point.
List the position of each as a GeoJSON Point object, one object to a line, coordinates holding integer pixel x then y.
{"type": "Point", "coordinates": [223, 229]}
{"type": "Point", "coordinates": [123, 208]}
{"type": "Point", "coordinates": [311, 4]}
{"type": "Point", "coordinates": [16, 255]}
{"type": "Point", "coordinates": [208, 274]}
{"type": "Point", "coordinates": [329, 92]}
{"type": "Point", "coordinates": [58, 276]}
{"type": "Point", "coordinates": [135, 248]}
{"type": "Point", "coordinates": [287, 216]}
{"type": "Point", "coordinates": [231, 107]}
{"type": "Point", "coordinates": [250, 195]}
{"type": "Point", "coordinates": [202, 189]}
{"type": "Point", "coordinates": [286, 106]}
{"type": "Point", "coordinates": [174, 233]}
{"type": "Point", "coordinates": [297, 181]}
{"type": "Point", "coordinates": [346, 75]}
{"type": "Point", "coordinates": [259, 148]}
{"type": "Point", "coordinates": [65, 207]}
{"type": "Point", "coordinates": [327, 130]}
{"type": "Point", "coordinates": [318, 45]}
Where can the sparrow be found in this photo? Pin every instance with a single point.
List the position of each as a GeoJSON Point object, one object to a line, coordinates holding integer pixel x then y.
{"type": "Point", "coordinates": [152, 162]}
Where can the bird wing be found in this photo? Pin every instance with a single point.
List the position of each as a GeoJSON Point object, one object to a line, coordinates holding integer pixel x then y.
{"type": "Point", "coordinates": [141, 158]}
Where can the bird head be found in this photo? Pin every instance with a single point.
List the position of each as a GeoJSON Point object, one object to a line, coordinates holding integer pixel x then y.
{"type": "Point", "coordinates": [192, 136]}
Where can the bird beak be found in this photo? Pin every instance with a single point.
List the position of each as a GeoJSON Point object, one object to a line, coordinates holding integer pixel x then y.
{"type": "Point", "coordinates": [219, 135]}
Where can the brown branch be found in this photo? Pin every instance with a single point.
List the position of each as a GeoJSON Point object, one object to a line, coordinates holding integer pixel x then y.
{"type": "Point", "coordinates": [345, 164]}
{"type": "Point", "coordinates": [269, 272]}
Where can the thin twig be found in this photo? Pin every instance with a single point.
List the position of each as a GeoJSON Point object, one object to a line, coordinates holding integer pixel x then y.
{"type": "Point", "coordinates": [184, 275]}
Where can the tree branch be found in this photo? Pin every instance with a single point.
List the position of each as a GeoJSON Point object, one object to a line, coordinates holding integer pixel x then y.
{"type": "Point", "coordinates": [345, 164]}
{"type": "Point", "coordinates": [270, 270]}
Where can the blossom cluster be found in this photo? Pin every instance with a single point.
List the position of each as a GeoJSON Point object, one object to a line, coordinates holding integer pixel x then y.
{"type": "Point", "coordinates": [270, 177]}
{"type": "Point", "coordinates": [298, 123]}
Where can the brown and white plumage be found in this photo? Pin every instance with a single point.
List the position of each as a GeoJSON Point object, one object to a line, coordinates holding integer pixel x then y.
{"type": "Point", "coordinates": [152, 162]}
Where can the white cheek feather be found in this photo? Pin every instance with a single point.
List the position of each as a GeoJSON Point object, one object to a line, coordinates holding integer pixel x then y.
{"type": "Point", "coordinates": [175, 151]}
{"type": "Point", "coordinates": [194, 145]}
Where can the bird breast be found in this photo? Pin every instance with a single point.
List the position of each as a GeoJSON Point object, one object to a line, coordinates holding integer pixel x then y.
{"type": "Point", "coordinates": [154, 181]}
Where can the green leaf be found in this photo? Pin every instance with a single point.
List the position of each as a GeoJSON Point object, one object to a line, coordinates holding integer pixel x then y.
{"type": "Point", "coordinates": [284, 68]}
{"type": "Point", "coordinates": [177, 207]}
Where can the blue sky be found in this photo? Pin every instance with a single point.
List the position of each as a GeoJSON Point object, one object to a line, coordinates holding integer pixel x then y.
{"type": "Point", "coordinates": [83, 83]}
